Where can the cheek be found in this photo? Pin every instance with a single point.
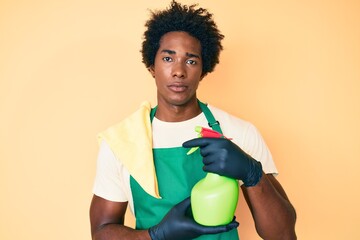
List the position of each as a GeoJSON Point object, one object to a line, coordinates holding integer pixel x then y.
{"type": "Point", "coordinates": [197, 76]}
{"type": "Point", "coordinates": [195, 85]}
{"type": "Point", "coordinates": [197, 73]}
{"type": "Point", "coordinates": [161, 70]}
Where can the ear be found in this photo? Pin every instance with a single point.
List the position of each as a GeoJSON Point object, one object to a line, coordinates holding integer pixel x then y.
{"type": "Point", "coordinates": [152, 71]}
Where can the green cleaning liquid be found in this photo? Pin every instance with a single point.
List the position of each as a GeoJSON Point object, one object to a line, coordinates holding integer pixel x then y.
{"type": "Point", "coordinates": [214, 200]}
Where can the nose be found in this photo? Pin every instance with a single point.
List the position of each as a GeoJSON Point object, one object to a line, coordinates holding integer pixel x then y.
{"type": "Point", "coordinates": [179, 70]}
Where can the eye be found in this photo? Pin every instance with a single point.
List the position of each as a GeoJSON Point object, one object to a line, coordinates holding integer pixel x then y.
{"type": "Point", "coordinates": [167, 59]}
{"type": "Point", "coordinates": [191, 62]}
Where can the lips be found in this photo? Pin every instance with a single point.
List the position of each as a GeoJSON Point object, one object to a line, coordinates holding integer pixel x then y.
{"type": "Point", "coordinates": [177, 87]}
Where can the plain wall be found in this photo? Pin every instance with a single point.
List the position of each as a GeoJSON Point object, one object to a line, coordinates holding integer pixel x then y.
{"type": "Point", "coordinates": [69, 69]}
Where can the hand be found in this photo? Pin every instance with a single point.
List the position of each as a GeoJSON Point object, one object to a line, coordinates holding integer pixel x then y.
{"type": "Point", "coordinates": [178, 225]}
{"type": "Point", "coordinates": [222, 156]}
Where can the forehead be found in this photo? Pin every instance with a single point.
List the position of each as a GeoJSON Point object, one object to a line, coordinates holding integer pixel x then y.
{"type": "Point", "coordinates": [180, 42]}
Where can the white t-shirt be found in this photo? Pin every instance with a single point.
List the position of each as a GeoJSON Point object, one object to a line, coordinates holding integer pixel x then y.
{"type": "Point", "coordinates": [112, 181]}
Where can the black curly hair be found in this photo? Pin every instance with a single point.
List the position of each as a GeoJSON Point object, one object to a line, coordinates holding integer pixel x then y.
{"type": "Point", "coordinates": [197, 22]}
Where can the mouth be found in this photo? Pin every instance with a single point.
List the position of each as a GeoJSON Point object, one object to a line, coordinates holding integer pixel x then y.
{"type": "Point", "coordinates": [177, 87]}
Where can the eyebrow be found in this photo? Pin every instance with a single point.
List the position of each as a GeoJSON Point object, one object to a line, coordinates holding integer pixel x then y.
{"type": "Point", "coordinates": [171, 52]}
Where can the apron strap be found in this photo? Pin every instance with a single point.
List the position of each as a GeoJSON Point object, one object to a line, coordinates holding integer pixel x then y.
{"type": "Point", "coordinates": [152, 113]}
{"type": "Point", "coordinates": [212, 122]}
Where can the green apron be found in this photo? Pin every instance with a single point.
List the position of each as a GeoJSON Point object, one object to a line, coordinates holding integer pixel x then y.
{"type": "Point", "coordinates": [176, 174]}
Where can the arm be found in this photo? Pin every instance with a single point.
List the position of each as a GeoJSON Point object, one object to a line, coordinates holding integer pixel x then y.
{"type": "Point", "coordinates": [272, 211]}
{"type": "Point", "coordinates": [107, 221]}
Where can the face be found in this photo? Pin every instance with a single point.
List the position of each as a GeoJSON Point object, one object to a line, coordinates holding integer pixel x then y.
{"type": "Point", "coordinates": [177, 69]}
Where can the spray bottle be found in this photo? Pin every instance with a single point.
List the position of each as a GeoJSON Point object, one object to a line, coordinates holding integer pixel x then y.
{"type": "Point", "coordinates": [214, 198]}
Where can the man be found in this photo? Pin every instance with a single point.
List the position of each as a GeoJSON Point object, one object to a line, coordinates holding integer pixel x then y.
{"type": "Point", "coordinates": [143, 161]}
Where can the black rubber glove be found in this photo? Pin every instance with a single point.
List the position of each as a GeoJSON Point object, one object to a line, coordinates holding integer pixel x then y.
{"type": "Point", "coordinates": [222, 156]}
{"type": "Point", "coordinates": [178, 224]}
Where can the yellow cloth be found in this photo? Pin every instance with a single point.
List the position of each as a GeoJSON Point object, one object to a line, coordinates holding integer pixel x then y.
{"type": "Point", "coordinates": [131, 142]}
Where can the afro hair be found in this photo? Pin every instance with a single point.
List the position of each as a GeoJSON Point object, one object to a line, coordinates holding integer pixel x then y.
{"type": "Point", "coordinates": [195, 21]}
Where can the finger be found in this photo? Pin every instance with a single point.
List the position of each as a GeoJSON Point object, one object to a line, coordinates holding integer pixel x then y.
{"type": "Point", "coordinates": [183, 205]}
{"type": "Point", "coordinates": [232, 225]}
{"type": "Point", "coordinates": [196, 142]}
{"type": "Point", "coordinates": [199, 142]}
{"type": "Point", "coordinates": [219, 229]}
{"type": "Point", "coordinates": [209, 157]}
{"type": "Point", "coordinates": [213, 168]}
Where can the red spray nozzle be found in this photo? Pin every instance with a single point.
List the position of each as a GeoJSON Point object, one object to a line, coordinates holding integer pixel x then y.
{"type": "Point", "coordinates": [207, 133]}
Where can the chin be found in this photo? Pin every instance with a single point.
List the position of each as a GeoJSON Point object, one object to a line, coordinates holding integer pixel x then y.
{"type": "Point", "coordinates": [178, 100]}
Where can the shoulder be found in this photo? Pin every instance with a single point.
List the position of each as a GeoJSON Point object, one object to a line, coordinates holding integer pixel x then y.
{"type": "Point", "coordinates": [246, 136]}
{"type": "Point", "coordinates": [243, 132]}
{"type": "Point", "coordinates": [229, 123]}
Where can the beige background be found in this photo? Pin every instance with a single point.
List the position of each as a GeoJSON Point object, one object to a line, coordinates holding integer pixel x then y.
{"type": "Point", "coordinates": [69, 69]}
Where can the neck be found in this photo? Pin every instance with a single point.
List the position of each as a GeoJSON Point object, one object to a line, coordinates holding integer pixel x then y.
{"type": "Point", "coordinates": [174, 113]}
